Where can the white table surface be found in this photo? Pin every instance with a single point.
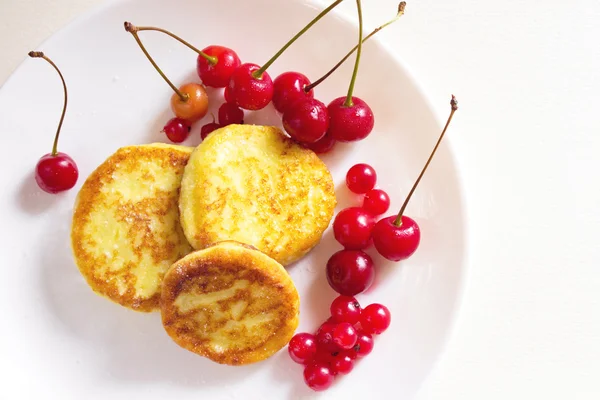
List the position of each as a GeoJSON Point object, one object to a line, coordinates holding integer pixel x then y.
{"type": "Point", "coordinates": [527, 137]}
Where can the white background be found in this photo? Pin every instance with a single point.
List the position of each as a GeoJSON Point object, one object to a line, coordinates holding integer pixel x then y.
{"type": "Point", "coordinates": [527, 138]}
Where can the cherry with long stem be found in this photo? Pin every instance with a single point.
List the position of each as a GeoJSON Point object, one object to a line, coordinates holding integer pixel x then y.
{"type": "Point", "coordinates": [190, 101]}
{"type": "Point", "coordinates": [397, 237]}
{"type": "Point", "coordinates": [56, 172]}
{"type": "Point", "coordinates": [250, 84]}
{"type": "Point", "coordinates": [401, 8]}
{"type": "Point", "coordinates": [351, 118]}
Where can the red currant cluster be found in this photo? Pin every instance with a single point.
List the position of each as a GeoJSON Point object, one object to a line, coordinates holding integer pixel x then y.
{"type": "Point", "coordinates": [346, 336]}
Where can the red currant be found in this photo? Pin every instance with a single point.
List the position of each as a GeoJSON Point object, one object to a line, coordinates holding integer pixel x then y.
{"type": "Point", "coordinates": [350, 123]}
{"type": "Point", "coordinates": [352, 228]}
{"type": "Point", "coordinates": [306, 121]}
{"type": "Point", "coordinates": [364, 344]}
{"type": "Point", "coordinates": [230, 114]}
{"type": "Point", "coordinates": [361, 178]}
{"type": "Point", "coordinates": [375, 318]}
{"type": "Point", "coordinates": [208, 128]}
{"type": "Point", "coordinates": [288, 88]}
{"type": "Point", "coordinates": [325, 337]}
{"type": "Point", "coordinates": [343, 363]}
{"type": "Point", "coordinates": [56, 173]}
{"type": "Point", "coordinates": [376, 201]}
{"type": "Point", "coordinates": [250, 92]}
{"type": "Point", "coordinates": [303, 347]}
{"type": "Point", "coordinates": [345, 309]}
{"type": "Point", "coordinates": [318, 376]}
{"type": "Point", "coordinates": [350, 272]}
{"type": "Point", "coordinates": [396, 243]}
{"type": "Point", "coordinates": [217, 74]}
{"type": "Point", "coordinates": [321, 146]}
{"type": "Point", "coordinates": [344, 335]}
{"type": "Point", "coordinates": [177, 130]}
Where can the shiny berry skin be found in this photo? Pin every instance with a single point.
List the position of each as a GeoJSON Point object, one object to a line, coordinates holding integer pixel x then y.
{"type": "Point", "coordinates": [228, 95]}
{"type": "Point", "coordinates": [56, 173]}
{"type": "Point", "coordinates": [350, 272]}
{"type": "Point", "coordinates": [217, 75]}
{"type": "Point", "coordinates": [364, 344]}
{"type": "Point", "coordinates": [345, 309]}
{"type": "Point", "coordinates": [303, 347]}
{"type": "Point", "coordinates": [318, 376]}
{"type": "Point", "coordinates": [230, 114]}
{"type": "Point", "coordinates": [306, 121]}
{"type": "Point", "coordinates": [288, 88]}
{"type": "Point", "coordinates": [196, 105]}
{"type": "Point", "coordinates": [323, 145]}
{"type": "Point", "coordinates": [352, 228]}
{"type": "Point", "coordinates": [177, 130]}
{"type": "Point", "coordinates": [251, 93]}
{"type": "Point", "coordinates": [348, 124]}
{"type": "Point", "coordinates": [361, 178]}
{"type": "Point", "coordinates": [376, 201]}
{"type": "Point", "coordinates": [396, 243]}
{"type": "Point", "coordinates": [208, 128]}
{"type": "Point", "coordinates": [344, 335]}
{"type": "Point", "coordinates": [343, 362]}
{"type": "Point", "coordinates": [375, 319]}
{"type": "Point", "coordinates": [324, 336]}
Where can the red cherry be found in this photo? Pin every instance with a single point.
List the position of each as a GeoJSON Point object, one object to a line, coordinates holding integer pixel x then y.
{"type": "Point", "coordinates": [177, 130]}
{"type": "Point", "coordinates": [288, 88]}
{"type": "Point", "coordinates": [228, 95]}
{"type": "Point", "coordinates": [306, 121]}
{"type": "Point", "coordinates": [217, 74]}
{"type": "Point", "coordinates": [250, 92]}
{"type": "Point", "coordinates": [345, 309]}
{"type": "Point", "coordinates": [303, 347]}
{"type": "Point", "coordinates": [376, 201]}
{"type": "Point", "coordinates": [343, 363]}
{"type": "Point", "coordinates": [350, 272]}
{"type": "Point", "coordinates": [321, 146]}
{"type": "Point", "coordinates": [352, 228]}
{"type": "Point", "coordinates": [375, 319]}
{"type": "Point", "coordinates": [361, 178]}
{"type": "Point", "coordinates": [318, 376]}
{"type": "Point", "coordinates": [396, 243]}
{"type": "Point", "coordinates": [364, 344]}
{"type": "Point", "coordinates": [56, 173]}
{"type": "Point", "coordinates": [325, 337]}
{"type": "Point", "coordinates": [344, 335]}
{"type": "Point", "coordinates": [230, 114]}
{"type": "Point", "coordinates": [350, 123]}
{"type": "Point", "coordinates": [208, 128]}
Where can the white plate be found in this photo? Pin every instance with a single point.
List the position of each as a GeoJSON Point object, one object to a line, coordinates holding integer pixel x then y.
{"type": "Point", "coordinates": [59, 340]}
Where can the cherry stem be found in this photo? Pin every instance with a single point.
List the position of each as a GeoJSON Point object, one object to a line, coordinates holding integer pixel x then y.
{"type": "Point", "coordinates": [212, 60]}
{"type": "Point", "coordinates": [454, 107]}
{"type": "Point", "coordinates": [349, 102]}
{"type": "Point", "coordinates": [258, 73]}
{"type": "Point", "coordinates": [316, 83]}
{"type": "Point", "coordinates": [39, 54]}
{"type": "Point", "coordinates": [129, 27]}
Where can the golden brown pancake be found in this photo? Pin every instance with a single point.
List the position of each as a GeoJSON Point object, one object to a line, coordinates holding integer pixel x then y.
{"type": "Point", "coordinates": [254, 185]}
{"type": "Point", "coordinates": [230, 303]}
{"type": "Point", "coordinates": [126, 232]}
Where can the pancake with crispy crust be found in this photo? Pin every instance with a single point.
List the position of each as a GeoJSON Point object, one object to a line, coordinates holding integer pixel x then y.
{"type": "Point", "coordinates": [230, 303]}
{"type": "Point", "coordinates": [255, 185]}
{"type": "Point", "coordinates": [126, 232]}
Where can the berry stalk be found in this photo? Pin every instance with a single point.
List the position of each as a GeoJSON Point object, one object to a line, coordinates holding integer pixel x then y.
{"type": "Point", "coordinates": [349, 102]}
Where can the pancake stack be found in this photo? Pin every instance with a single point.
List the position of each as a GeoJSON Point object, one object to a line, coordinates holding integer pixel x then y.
{"type": "Point", "coordinates": [203, 236]}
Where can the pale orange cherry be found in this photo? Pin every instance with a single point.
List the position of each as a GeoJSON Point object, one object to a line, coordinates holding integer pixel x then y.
{"type": "Point", "coordinates": [195, 105]}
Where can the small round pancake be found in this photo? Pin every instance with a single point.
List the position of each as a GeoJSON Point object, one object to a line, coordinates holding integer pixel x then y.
{"type": "Point", "coordinates": [254, 185]}
{"type": "Point", "coordinates": [126, 232]}
{"type": "Point", "coordinates": [230, 303]}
